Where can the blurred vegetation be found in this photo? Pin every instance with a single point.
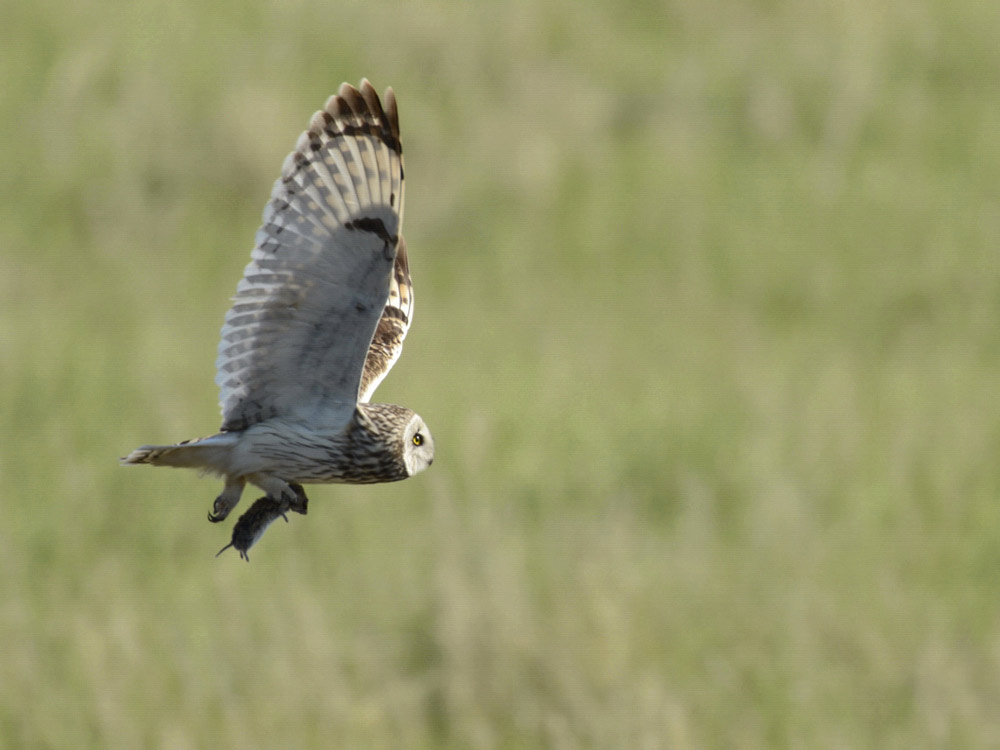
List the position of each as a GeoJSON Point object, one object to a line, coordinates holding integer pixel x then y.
{"type": "Point", "coordinates": [706, 332]}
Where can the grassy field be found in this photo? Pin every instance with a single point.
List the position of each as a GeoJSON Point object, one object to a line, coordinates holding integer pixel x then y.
{"type": "Point", "coordinates": [706, 332]}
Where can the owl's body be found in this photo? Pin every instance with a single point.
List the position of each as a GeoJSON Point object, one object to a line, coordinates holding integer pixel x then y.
{"type": "Point", "coordinates": [372, 447]}
{"type": "Point", "coordinates": [318, 320]}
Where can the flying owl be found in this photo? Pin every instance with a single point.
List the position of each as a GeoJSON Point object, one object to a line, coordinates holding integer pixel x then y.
{"type": "Point", "coordinates": [317, 322]}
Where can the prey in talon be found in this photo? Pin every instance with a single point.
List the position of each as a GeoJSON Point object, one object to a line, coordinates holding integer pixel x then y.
{"type": "Point", "coordinates": [317, 322]}
{"type": "Point", "coordinates": [252, 525]}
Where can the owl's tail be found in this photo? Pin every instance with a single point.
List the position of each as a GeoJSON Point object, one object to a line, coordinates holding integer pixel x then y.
{"type": "Point", "coordinates": [210, 453]}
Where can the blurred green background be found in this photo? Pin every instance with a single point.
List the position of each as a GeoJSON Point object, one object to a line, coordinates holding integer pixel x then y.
{"type": "Point", "coordinates": [706, 332]}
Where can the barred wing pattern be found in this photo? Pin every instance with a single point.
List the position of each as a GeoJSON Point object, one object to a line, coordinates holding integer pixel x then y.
{"type": "Point", "coordinates": [387, 343]}
{"type": "Point", "coordinates": [297, 337]}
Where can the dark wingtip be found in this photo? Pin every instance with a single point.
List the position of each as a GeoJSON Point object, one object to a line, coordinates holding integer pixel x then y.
{"type": "Point", "coordinates": [391, 111]}
{"type": "Point", "coordinates": [353, 98]}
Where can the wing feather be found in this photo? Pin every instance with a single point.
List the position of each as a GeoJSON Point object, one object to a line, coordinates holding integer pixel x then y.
{"type": "Point", "coordinates": [387, 343]}
{"type": "Point", "coordinates": [296, 340]}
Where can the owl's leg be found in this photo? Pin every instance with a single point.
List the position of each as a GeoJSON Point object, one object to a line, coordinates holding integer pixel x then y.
{"type": "Point", "coordinates": [289, 495]}
{"type": "Point", "coordinates": [227, 499]}
{"type": "Point", "coordinates": [277, 489]}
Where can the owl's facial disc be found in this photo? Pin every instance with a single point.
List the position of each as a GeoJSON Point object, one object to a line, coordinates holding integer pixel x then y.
{"type": "Point", "coordinates": [418, 446]}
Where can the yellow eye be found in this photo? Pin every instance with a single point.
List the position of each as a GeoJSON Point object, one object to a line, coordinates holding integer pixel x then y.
{"type": "Point", "coordinates": [418, 439]}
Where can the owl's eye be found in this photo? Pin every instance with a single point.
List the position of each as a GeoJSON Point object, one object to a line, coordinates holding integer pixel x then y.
{"type": "Point", "coordinates": [418, 439]}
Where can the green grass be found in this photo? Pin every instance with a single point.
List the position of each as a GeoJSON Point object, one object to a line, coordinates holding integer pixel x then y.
{"type": "Point", "coordinates": [706, 331]}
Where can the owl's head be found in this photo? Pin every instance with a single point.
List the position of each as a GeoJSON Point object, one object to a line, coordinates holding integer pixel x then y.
{"type": "Point", "coordinates": [418, 446]}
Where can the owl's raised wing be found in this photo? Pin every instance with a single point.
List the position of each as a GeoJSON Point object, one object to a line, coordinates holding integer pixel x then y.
{"type": "Point", "coordinates": [297, 337]}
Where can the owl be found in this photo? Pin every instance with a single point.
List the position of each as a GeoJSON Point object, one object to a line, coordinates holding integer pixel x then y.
{"type": "Point", "coordinates": [317, 322]}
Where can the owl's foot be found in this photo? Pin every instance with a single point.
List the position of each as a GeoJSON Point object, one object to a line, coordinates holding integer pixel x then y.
{"type": "Point", "coordinates": [227, 500]}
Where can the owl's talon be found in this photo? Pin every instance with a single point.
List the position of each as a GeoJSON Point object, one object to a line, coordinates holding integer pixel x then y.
{"type": "Point", "coordinates": [228, 499]}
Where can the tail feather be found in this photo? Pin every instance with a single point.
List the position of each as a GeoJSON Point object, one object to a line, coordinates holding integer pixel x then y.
{"type": "Point", "coordinates": [211, 453]}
